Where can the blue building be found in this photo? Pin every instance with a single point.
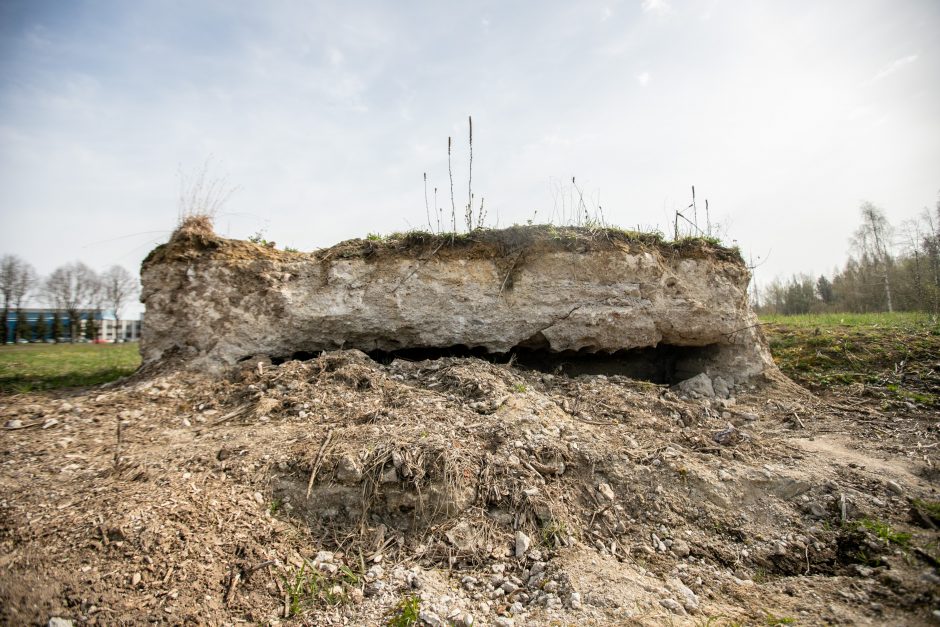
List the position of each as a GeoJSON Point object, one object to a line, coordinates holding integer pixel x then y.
{"type": "Point", "coordinates": [109, 329]}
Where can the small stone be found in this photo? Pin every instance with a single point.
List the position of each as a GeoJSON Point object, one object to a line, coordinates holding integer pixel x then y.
{"type": "Point", "coordinates": [186, 422]}
{"type": "Point", "coordinates": [503, 621]}
{"type": "Point", "coordinates": [689, 599]}
{"type": "Point", "coordinates": [258, 498]}
{"type": "Point", "coordinates": [523, 542]}
{"type": "Point", "coordinates": [575, 600]}
{"type": "Point", "coordinates": [135, 579]}
{"type": "Point", "coordinates": [14, 424]}
{"type": "Point", "coordinates": [698, 386]}
{"type": "Point", "coordinates": [816, 510]}
{"type": "Point", "coordinates": [680, 548]}
{"type": "Point", "coordinates": [430, 618]}
{"type": "Point", "coordinates": [323, 557]}
{"type": "Point", "coordinates": [509, 587]}
{"type": "Point", "coordinates": [50, 422]}
{"type": "Point", "coordinates": [465, 619]}
{"type": "Point", "coordinates": [606, 491]}
{"type": "Point", "coordinates": [724, 475]}
{"type": "Point", "coordinates": [348, 470]}
{"type": "Point", "coordinates": [672, 605]}
{"type": "Point", "coordinates": [892, 486]}
{"type": "Point", "coordinates": [722, 388]}
{"type": "Point", "coordinates": [57, 621]}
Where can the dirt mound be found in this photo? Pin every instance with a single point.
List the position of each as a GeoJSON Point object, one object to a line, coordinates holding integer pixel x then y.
{"type": "Point", "coordinates": [341, 490]}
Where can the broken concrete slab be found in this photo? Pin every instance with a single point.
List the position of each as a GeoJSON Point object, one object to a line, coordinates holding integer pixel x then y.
{"type": "Point", "coordinates": [211, 302]}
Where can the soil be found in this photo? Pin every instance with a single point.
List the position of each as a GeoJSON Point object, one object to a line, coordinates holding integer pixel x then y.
{"type": "Point", "coordinates": [343, 491]}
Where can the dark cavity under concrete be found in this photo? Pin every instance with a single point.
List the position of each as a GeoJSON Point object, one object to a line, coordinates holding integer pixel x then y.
{"type": "Point", "coordinates": [665, 363]}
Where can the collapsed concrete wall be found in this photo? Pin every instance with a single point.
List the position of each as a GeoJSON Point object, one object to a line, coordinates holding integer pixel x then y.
{"type": "Point", "coordinates": [212, 302]}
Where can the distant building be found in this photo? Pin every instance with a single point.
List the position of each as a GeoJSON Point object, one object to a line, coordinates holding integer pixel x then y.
{"type": "Point", "coordinates": [109, 330]}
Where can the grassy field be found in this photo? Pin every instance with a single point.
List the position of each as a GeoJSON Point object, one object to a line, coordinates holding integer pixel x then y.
{"type": "Point", "coordinates": [32, 367]}
{"type": "Point", "coordinates": [895, 357]}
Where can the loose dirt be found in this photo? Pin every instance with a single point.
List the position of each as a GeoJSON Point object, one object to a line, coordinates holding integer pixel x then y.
{"type": "Point", "coordinates": [341, 491]}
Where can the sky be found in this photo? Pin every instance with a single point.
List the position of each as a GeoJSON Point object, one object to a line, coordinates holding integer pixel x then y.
{"type": "Point", "coordinates": [323, 118]}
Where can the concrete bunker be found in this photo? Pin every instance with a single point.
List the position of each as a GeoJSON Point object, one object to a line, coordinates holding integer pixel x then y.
{"type": "Point", "coordinates": [566, 300]}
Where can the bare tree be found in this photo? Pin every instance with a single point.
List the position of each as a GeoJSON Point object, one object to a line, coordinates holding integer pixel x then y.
{"type": "Point", "coordinates": [23, 285]}
{"type": "Point", "coordinates": [119, 286]}
{"type": "Point", "coordinates": [94, 306]}
{"type": "Point", "coordinates": [872, 239]}
{"type": "Point", "coordinates": [17, 279]}
{"type": "Point", "coordinates": [70, 288]}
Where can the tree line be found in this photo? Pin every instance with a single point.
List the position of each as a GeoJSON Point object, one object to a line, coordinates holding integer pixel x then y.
{"type": "Point", "coordinates": [74, 291]}
{"type": "Point", "coordinates": [890, 268]}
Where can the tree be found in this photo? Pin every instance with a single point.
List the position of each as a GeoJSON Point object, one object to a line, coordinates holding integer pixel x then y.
{"type": "Point", "coordinates": [824, 289]}
{"type": "Point", "coordinates": [872, 239]}
{"type": "Point", "coordinates": [42, 329]}
{"type": "Point", "coordinates": [56, 326]}
{"type": "Point", "coordinates": [16, 281]}
{"type": "Point", "coordinates": [800, 295]}
{"type": "Point", "coordinates": [22, 288]}
{"type": "Point", "coordinates": [70, 288]}
{"type": "Point", "coordinates": [118, 286]}
{"type": "Point", "coordinates": [23, 331]}
{"type": "Point", "coordinates": [95, 304]}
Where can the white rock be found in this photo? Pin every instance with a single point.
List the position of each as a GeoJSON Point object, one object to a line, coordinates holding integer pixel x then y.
{"type": "Point", "coordinates": [606, 490]}
{"type": "Point", "coordinates": [575, 600]}
{"type": "Point", "coordinates": [523, 542]}
{"type": "Point", "coordinates": [430, 618]}
{"type": "Point", "coordinates": [323, 557]}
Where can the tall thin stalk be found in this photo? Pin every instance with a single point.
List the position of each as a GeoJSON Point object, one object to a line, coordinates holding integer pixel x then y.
{"type": "Point", "coordinates": [469, 216]}
{"type": "Point", "coordinates": [427, 209]}
{"type": "Point", "coordinates": [453, 207]}
{"type": "Point", "coordinates": [437, 211]}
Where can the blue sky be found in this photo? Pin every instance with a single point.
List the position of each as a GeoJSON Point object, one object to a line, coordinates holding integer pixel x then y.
{"type": "Point", "coordinates": [325, 115]}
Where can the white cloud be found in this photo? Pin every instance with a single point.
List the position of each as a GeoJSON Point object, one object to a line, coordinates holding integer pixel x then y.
{"type": "Point", "coordinates": [660, 7]}
{"type": "Point", "coordinates": [605, 15]}
{"type": "Point", "coordinates": [895, 65]}
{"type": "Point", "coordinates": [643, 79]}
{"type": "Point", "coordinates": [335, 56]}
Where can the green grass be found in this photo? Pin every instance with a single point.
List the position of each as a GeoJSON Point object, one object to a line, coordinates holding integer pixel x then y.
{"type": "Point", "coordinates": [892, 356]}
{"type": "Point", "coordinates": [406, 612]}
{"type": "Point", "coordinates": [886, 532]}
{"type": "Point", "coordinates": [37, 367]}
{"type": "Point", "coordinates": [772, 620]}
{"type": "Point", "coordinates": [907, 320]}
